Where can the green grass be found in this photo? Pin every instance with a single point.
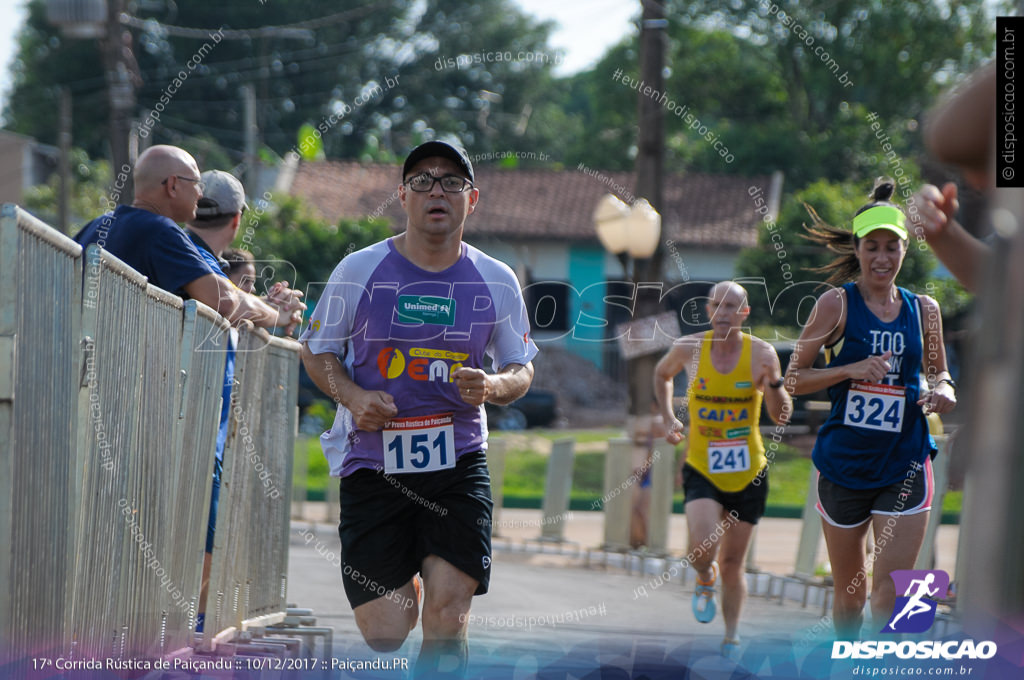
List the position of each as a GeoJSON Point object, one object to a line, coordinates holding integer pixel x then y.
{"type": "Point", "coordinates": [581, 436]}
{"type": "Point", "coordinates": [314, 474]}
{"type": "Point", "coordinates": [525, 472]}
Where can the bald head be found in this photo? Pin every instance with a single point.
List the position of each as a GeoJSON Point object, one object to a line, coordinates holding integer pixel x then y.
{"type": "Point", "coordinates": [727, 307]}
{"type": "Point", "coordinates": [166, 182]}
{"type": "Point", "coordinates": [157, 163]}
{"type": "Point", "coordinates": [728, 291]}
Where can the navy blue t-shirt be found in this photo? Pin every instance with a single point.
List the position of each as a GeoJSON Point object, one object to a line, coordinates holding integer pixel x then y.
{"type": "Point", "coordinates": [229, 365]}
{"type": "Point", "coordinates": [151, 244]}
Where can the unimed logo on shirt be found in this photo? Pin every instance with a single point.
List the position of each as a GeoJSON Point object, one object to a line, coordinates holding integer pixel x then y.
{"type": "Point", "coordinates": [426, 309]}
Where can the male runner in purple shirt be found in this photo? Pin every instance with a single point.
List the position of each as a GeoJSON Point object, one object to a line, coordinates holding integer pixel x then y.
{"type": "Point", "coordinates": [398, 341]}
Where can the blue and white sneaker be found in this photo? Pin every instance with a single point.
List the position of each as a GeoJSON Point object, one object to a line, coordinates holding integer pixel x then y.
{"type": "Point", "coordinates": [731, 648]}
{"type": "Point", "coordinates": [704, 602]}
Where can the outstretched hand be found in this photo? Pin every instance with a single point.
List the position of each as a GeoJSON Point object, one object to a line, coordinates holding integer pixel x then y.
{"type": "Point", "coordinates": [286, 301]}
{"type": "Point", "coordinates": [936, 209]}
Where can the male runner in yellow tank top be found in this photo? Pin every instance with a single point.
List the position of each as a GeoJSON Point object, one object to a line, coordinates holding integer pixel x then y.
{"type": "Point", "coordinates": [725, 469]}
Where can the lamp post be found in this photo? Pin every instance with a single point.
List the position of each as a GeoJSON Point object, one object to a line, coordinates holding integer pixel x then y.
{"type": "Point", "coordinates": [632, 233]}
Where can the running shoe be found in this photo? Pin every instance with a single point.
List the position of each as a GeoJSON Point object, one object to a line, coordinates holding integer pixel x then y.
{"type": "Point", "coordinates": [731, 648]}
{"type": "Point", "coordinates": [704, 603]}
{"type": "Point", "coordinates": [417, 587]}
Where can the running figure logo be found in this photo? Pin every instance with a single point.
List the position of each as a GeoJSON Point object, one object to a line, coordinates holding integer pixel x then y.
{"type": "Point", "coordinates": [914, 612]}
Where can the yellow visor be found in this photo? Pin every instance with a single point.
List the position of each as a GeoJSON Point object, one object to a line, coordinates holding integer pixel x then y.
{"type": "Point", "coordinates": [880, 217]}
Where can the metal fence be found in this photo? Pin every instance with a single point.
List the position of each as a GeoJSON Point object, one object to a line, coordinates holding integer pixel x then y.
{"type": "Point", "coordinates": [110, 393]}
{"type": "Point", "coordinates": [250, 553]}
{"type": "Point", "coordinates": [40, 315]}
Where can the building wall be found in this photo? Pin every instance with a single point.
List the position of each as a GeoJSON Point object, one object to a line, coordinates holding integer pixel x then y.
{"type": "Point", "coordinates": [583, 270]}
{"type": "Point", "coordinates": [586, 303]}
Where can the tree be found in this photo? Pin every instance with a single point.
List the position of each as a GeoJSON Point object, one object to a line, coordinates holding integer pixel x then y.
{"type": "Point", "coordinates": [88, 194]}
{"type": "Point", "coordinates": [366, 76]}
{"type": "Point", "coordinates": [749, 73]}
{"type": "Point", "coordinates": [839, 61]}
{"type": "Point", "coordinates": [289, 242]}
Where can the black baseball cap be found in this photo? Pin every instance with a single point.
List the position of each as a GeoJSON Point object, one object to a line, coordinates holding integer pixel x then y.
{"type": "Point", "coordinates": [441, 150]}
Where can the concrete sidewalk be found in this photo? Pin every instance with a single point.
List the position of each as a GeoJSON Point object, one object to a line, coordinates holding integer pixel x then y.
{"type": "Point", "coordinates": [775, 541]}
{"type": "Point", "coordinates": [547, 609]}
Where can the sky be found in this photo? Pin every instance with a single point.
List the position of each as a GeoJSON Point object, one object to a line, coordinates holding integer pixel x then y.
{"type": "Point", "coordinates": [606, 21]}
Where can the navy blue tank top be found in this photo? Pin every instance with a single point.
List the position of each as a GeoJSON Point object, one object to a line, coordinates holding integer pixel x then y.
{"type": "Point", "coordinates": [875, 432]}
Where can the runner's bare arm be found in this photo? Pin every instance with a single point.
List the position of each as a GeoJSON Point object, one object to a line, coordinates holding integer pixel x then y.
{"type": "Point", "coordinates": [768, 370]}
{"type": "Point", "coordinates": [370, 409]}
{"type": "Point", "coordinates": [941, 397]}
{"type": "Point", "coordinates": [504, 387]}
{"type": "Point", "coordinates": [827, 322]}
{"type": "Point", "coordinates": [679, 357]}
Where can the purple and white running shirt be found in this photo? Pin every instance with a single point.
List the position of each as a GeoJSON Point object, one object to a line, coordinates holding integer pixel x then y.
{"type": "Point", "coordinates": [405, 330]}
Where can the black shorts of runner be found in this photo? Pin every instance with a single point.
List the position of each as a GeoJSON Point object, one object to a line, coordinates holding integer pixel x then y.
{"type": "Point", "coordinates": [748, 503]}
{"type": "Point", "coordinates": [389, 523]}
{"type": "Point", "coordinates": [847, 508]}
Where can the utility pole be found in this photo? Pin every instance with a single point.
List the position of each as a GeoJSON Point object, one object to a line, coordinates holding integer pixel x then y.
{"type": "Point", "coordinates": [250, 178]}
{"type": "Point", "coordinates": [122, 96]}
{"type": "Point", "coordinates": [64, 168]}
{"type": "Point", "coordinates": [650, 164]}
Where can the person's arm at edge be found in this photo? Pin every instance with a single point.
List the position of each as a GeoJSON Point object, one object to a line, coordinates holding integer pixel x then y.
{"type": "Point", "coordinates": [960, 129]}
{"type": "Point", "coordinates": [957, 249]}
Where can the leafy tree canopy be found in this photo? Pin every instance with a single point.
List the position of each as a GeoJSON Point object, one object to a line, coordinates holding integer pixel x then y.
{"type": "Point", "coordinates": [374, 77]}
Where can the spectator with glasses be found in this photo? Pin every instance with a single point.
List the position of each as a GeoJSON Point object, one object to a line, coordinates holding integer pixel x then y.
{"type": "Point", "coordinates": [146, 237]}
{"type": "Point", "coordinates": [398, 341]}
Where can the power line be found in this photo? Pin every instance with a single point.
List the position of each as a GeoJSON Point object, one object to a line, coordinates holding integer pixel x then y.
{"type": "Point", "coordinates": [299, 31]}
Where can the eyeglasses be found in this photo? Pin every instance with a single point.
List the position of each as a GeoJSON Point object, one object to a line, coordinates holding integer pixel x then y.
{"type": "Point", "coordinates": [450, 184]}
{"type": "Point", "coordinates": [200, 184]}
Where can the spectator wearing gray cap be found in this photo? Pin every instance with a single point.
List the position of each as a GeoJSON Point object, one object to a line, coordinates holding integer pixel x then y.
{"type": "Point", "coordinates": [218, 215]}
{"type": "Point", "coordinates": [213, 229]}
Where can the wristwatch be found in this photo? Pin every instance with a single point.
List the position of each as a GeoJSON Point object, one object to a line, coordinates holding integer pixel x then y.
{"type": "Point", "coordinates": [777, 384]}
{"type": "Point", "coordinates": [948, 381]}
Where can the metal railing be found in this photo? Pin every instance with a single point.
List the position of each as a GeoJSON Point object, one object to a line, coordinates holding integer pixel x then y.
{"type": "Point", "coordinates": [248, 581]}
{"type": "Point", "coordinates": [110, 394]}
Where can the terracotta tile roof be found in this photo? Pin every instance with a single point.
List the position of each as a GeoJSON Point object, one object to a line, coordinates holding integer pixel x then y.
{"type": "Point", "coordinates": [713, 211]}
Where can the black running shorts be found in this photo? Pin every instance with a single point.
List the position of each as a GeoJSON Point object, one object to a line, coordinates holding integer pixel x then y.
{"type": "Point", "coordinates": [848, 508]}
{"type": "Point", "coordinates": [748, 503]}
{"type": "Point", "coordinates": [389, 523]}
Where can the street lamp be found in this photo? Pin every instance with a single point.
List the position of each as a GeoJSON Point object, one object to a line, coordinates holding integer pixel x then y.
{"type": "Point", "coordinates": [627, 231]}
{"type": "Point", "coordinates": [631, 233]}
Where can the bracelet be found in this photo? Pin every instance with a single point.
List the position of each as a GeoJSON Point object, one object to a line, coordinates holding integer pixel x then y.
{"type": "Point", "coordinates": [948, 381]}
{"type": "Point", "coordinates": [777, 384]}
